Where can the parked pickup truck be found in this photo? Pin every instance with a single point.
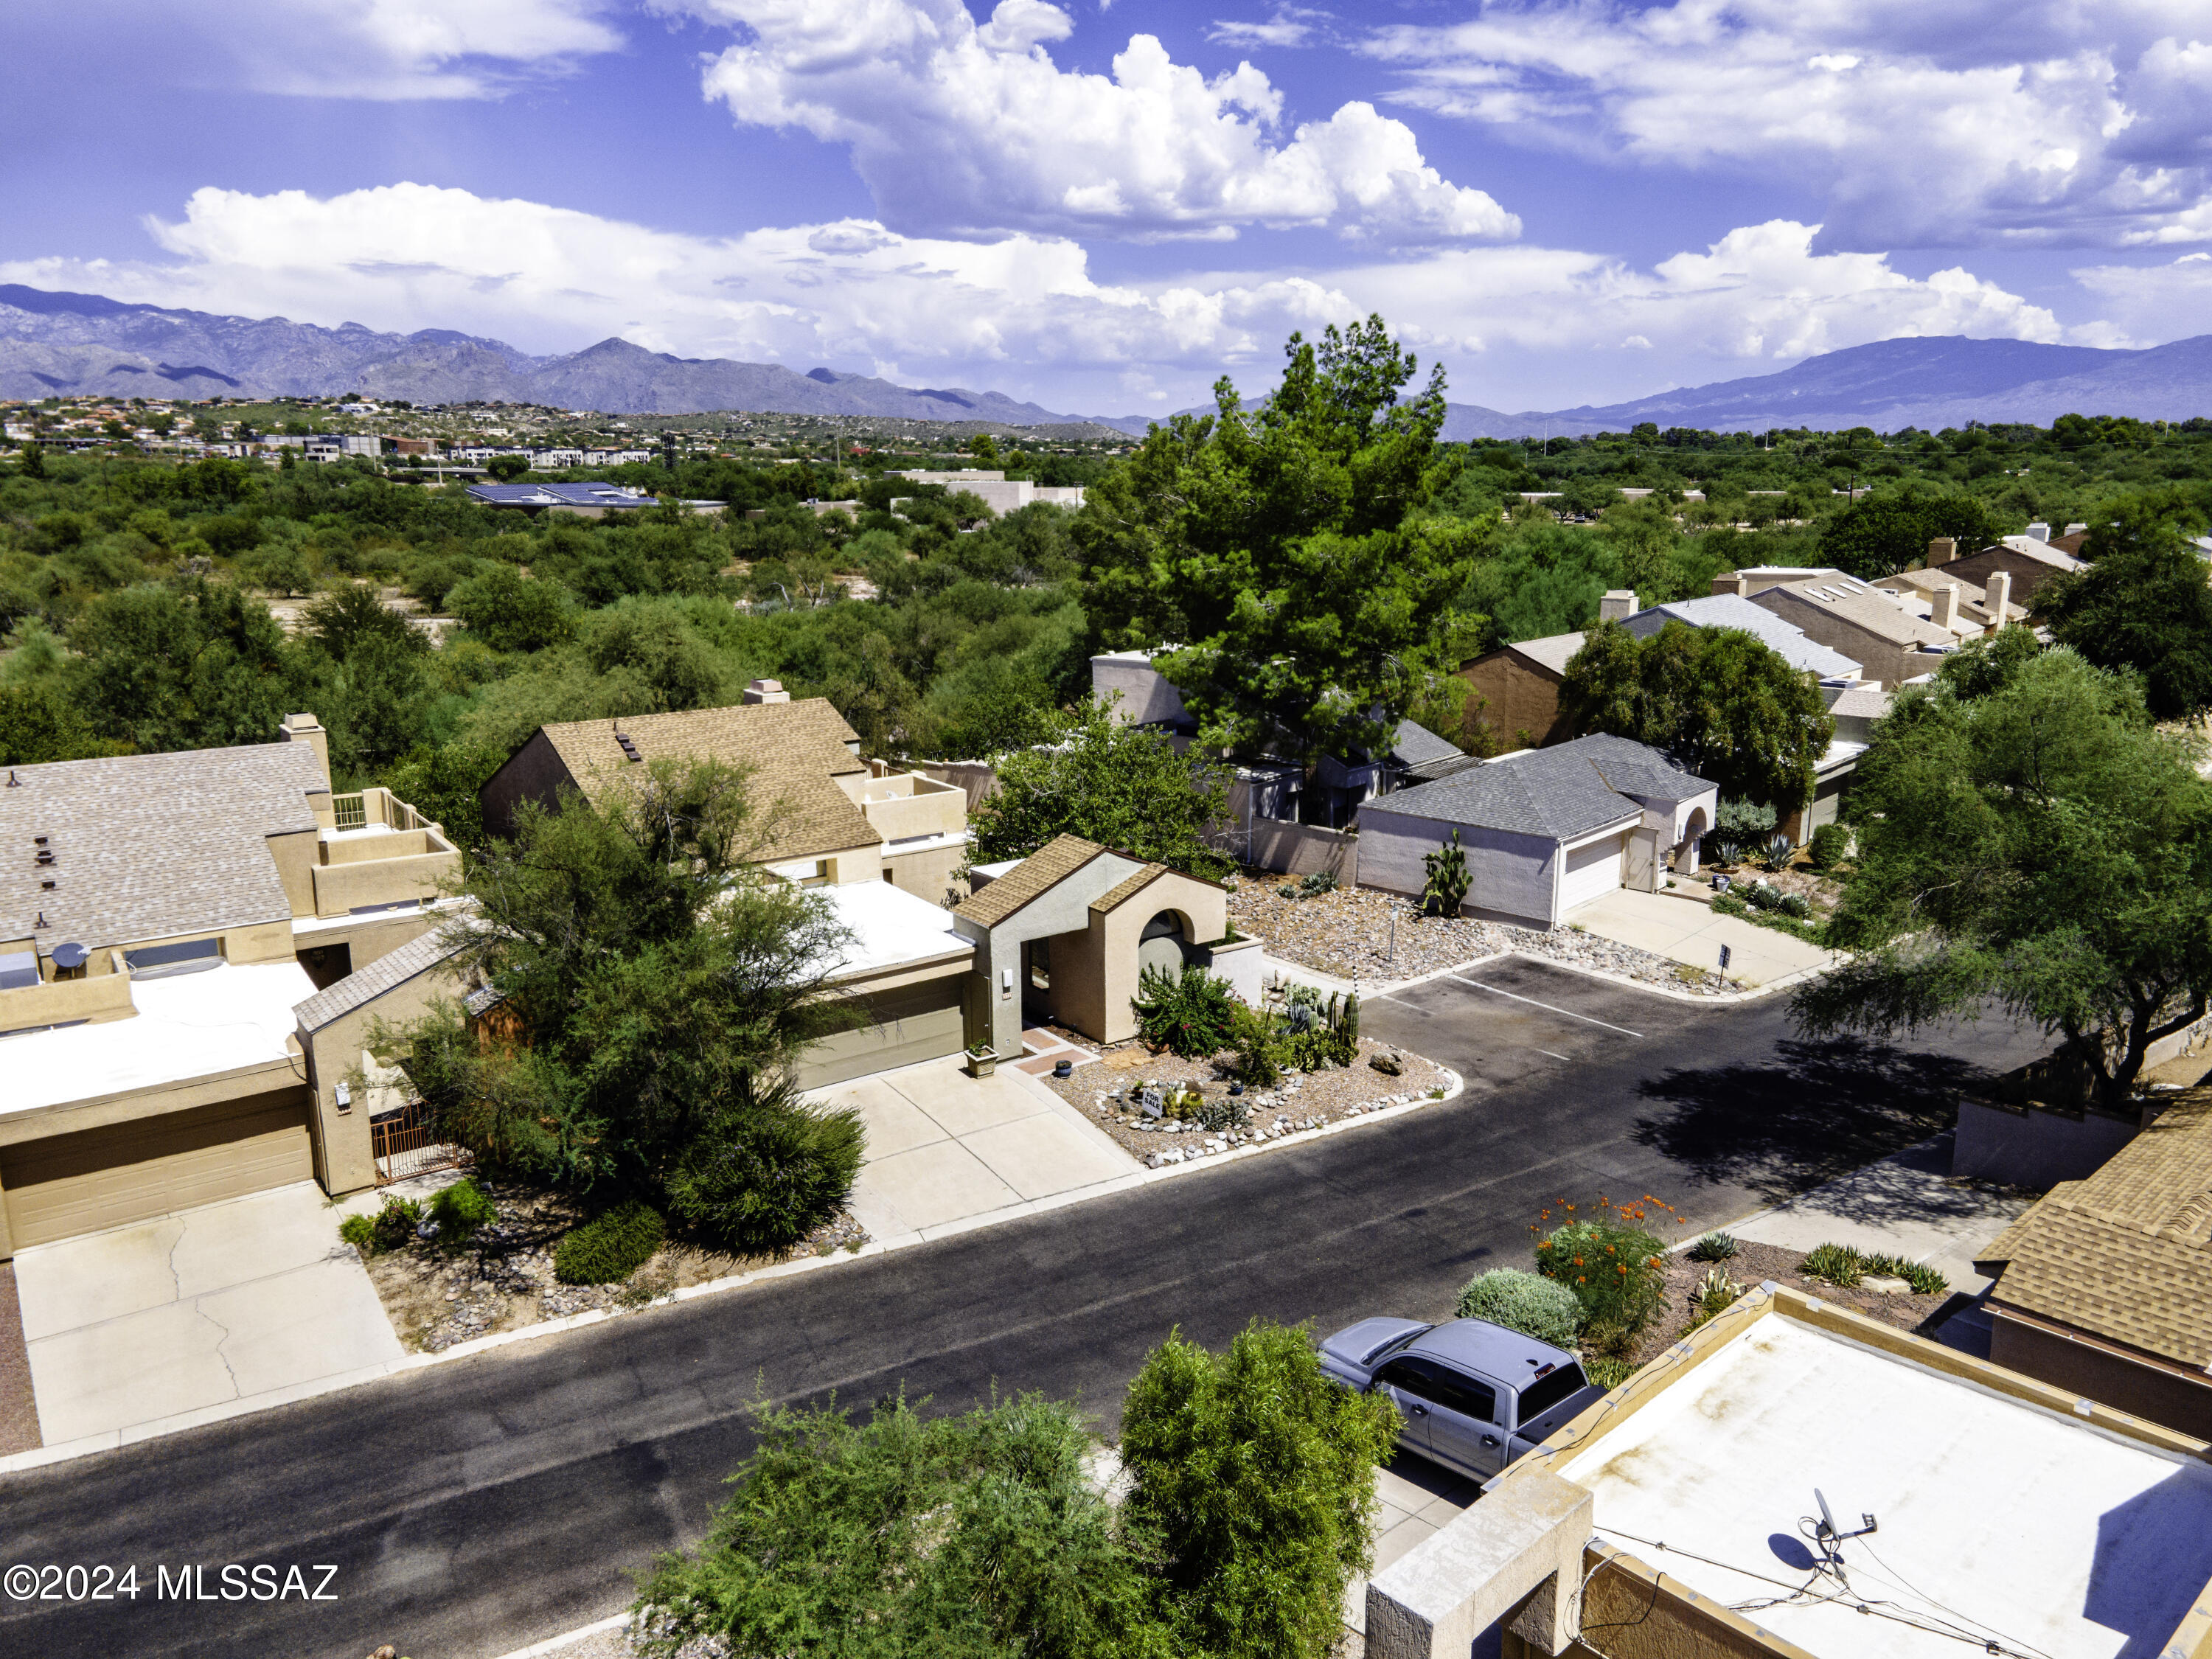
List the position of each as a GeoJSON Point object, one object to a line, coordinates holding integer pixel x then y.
{"type": "Point", "coordinates": [1473, 1395]}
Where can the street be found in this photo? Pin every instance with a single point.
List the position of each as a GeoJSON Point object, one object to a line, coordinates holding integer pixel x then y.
{"type": "Point", "coordinates": [473, 1508]}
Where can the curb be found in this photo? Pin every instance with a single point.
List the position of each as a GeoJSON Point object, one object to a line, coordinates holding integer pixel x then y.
{"type": "Point", "coordinates": [115, 1439]}
{"type": "Point", "coordinates": [568, 1638]}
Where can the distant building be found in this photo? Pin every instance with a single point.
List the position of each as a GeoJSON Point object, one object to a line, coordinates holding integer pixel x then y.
{"type": "Point", "coordinates": [583, 501]}
{"type": "Point", "coordinates": [999, 493]}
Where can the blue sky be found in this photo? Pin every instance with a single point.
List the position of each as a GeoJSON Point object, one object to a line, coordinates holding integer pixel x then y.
{"type": "Point", "coordinates": [1104, 207]}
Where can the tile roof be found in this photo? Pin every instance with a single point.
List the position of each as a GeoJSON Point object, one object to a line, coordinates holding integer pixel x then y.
{"type": "Point", "coordinates": [794, 750]}
{"type": "Point", "coordinates": [388, 971]}
{"type": "Point", "coordinates": [152, 845]}
{"type": "Point", "coordinates": [2127, 1253]}
{"type": "Point", "coordinates": [1784, 638]}
{"type": "Point", "coordinates": [1050, 864]}
{"type": "Point", "coordinates": [1559, 792]}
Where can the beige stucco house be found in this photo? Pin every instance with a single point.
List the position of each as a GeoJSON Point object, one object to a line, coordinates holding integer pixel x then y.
{"type": "Point", "coordinates": [160, 919]}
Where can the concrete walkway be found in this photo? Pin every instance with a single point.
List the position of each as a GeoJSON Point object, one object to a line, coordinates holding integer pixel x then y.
{"type": "Point", "coordinates": [1691, 932]}
{"type": "Point", "coordinates": [947, 1152]}
{"type": "Point", "coordinates": [194, 1310]}
{"type": "Point", "coordinates": [1904, 1205]}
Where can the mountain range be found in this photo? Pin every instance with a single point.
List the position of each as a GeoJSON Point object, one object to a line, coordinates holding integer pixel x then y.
{"type": "Point", "coordinates": [84, 344]}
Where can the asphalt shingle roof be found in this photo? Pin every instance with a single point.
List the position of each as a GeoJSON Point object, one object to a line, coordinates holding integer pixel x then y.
{"type": "Point", "coordinates": [2127, 1253]}
{"type": "Point", "coordinates": [1557, 792]}
{"type": "Point", "coordinates": [393, 968]}
{"type": "Point", "coordinates": [1416, 745]}
{"type": "Point", "coordinates": [1050, 864]}
{"type": "Point", "coordinates": [152, 845]}
{"type": "Point", "coordinates": [1785, 638]}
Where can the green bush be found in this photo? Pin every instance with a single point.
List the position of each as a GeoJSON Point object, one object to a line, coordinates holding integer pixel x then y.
{"type": "Point", "coordinates": [1714, 1247]}
{"type": "Point", "coordinates": [1716, 1295]}
{"type": "Point", "coordinates": [1528, 1303]}
{"type": "Point", "coordinates": [1608, 1371]}
{"type": "Point", "coordinates": [1838, 1264]}
{"type": "Point", "coordinates": [360, 1231]}
{"type": "Point", "coordinates": [1831, 845]}
{"type": "Point", "coordinates": [392, 1228]}
{"type": "Point", "coordinates": [610, 1247]}
{"type": "Point", "coordinates": [1445, 890]}
{"type": "Point", "coordinates": [1192, 1014]}
{"type": "Point", "coordinates": [1258, 1049]}
{"type": "Point", "coordinates": [459, 1209]}
{"type": "Point", "coordinates": [766, 1172]}
{"type": "Point", "coordinates": [1615, 1269]}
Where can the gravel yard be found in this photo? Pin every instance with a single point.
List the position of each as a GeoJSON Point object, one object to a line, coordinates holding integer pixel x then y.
{"type": "Point", "coordinates": [1350, 934]}
{"type": "Point", "coordinates": [503, 1280]}
{"type": "Point", "coordinates": [1754, 1263]}
{"type": "Point", "coordinates": [1105, 1092]}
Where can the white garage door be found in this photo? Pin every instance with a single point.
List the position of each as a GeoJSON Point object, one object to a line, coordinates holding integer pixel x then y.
{"type": "Point", "coordinates": [1592, 872]}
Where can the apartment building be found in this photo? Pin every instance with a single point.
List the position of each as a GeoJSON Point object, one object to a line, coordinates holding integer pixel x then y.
{"type": "Point", "coordinates": [1000, 493]}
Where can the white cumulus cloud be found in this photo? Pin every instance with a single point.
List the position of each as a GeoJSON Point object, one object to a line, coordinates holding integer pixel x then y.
{"type": "Point", "coordinates": [968, 130]}
{"type": "Point", "coordinates": [1918, 125]}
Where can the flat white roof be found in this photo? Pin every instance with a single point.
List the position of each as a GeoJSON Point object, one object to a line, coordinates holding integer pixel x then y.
{"type": "Point", "coordinates": [892, 927]}
{"type": "Point", "coordinates": [2021, 1525]}
{"type": "Point", "coordinates": [189, 1025]}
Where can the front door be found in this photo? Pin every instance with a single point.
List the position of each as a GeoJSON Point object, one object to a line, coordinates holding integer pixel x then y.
{"type": "Point", "coordinates": [1409, 1382]}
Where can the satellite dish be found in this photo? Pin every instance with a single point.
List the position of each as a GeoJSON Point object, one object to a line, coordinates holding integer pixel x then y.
{"type": "Point", "coordinates": [1827, 1521]}
{"type": "Point", "coordinates": [71, 955]}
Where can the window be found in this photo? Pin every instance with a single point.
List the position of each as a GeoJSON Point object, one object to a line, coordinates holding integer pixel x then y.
{"type": "Point", "coordinates": [1425, 1379]}
{"type": "Point", "coordinates": [1408, 1376]}
{"type": "Point", "coordinates": [158, 960]}
{"type": "Point", "coordinates": [1547, 1392]}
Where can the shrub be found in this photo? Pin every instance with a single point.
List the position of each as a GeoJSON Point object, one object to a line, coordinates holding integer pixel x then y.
{"type": "Point", "coordinates": [609, 1247]}
{"type": "Point", "coordinates": [1258, 1049]}
{"type": "Point", "coordinates": [767, 1170]}
{"type": "Point", "coordinates": [360, 1231]}
{"type": "Point", "coordinates": [1192, 1014]}
{"type": "Point", "coordinates": [1608, 1371]}
{"type": "Point", "coordinates": [1715, 1295]}
{"type": "Point", "coordinates": [459, 1209]}
{"type": "Point", "coordinates": [1713, 1247]}
{"type": "Point", "coordinates": [1528, 1303]}
{"type": "Point", "coordinates": [1838, 1264]}
{"type": "Point", "coordinates": [1321, 881]}
{"type": "Point", "coordinates": [1924, 1279]}
{"type": "Point", "coordinates": [392, 1228]}
{"type": "Point", "coordinates": [1614, 1268]}
{"type": "Point", "coordinates": [1744, 820]}
{"type": "Point", "coordinates": [1776, 854]}
{"type": "Point", "coordinates": [1831, 845]}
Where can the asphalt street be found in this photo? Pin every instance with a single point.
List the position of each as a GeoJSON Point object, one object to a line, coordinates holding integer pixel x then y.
{"type": "Point", "coordinates": [472, 1508]}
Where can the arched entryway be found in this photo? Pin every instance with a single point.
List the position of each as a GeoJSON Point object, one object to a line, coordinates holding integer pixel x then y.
{"type": "Point", "coordinates": [1686, 855]}
{"type": "Point", "coordinates": [1165, 943]}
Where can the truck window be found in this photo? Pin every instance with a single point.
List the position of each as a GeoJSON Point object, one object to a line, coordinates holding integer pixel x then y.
{"type": "Point", "coordinates": [1468, 1397]}
{"type": "Point", "coordinates": [1411, 1377]}
{"type": "Point", "coordinates": [1548, 1391]}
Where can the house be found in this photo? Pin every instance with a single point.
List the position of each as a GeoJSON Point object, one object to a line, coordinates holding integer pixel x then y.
{"type": "Point", "coordinates": [2104, 1287]}
{"type": "Point", "coordinates": [1065, 935]}
{"type": "Point", "coordinates": [1545, 830]}
{"type": "Point", "coordinates": [1730, 610]}
{"type": "Point", "coordinates": [1950, 602]}
{"type": "Point", "coordinates": [997, 491]}
{"type": "Point", "coordinates": [1889, 644]}
{"type": "Point", "coordinates": [1515, 690]}
{"type": "Point", "coordinates": [164, 917]}
{"type": "Point", "coordinates": [579, 501]}
{"type": "Point", "coordinates": [1795, 1480]}
{"type": "Point", "coordinates": [828, 817]}
{"type": "Point", "coordinates": [2026, 562]}
{"type": "Point", "coordinates": [1749, 580]}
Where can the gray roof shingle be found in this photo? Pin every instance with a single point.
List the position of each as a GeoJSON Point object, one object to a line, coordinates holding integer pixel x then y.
{"type": "Point", "coordinates": [152, 846]}
{"type": "Point", "coordinates": [1416, 745]}
{"type": "Point", "coordinates": [392, 969]}
{"type": "Point", "coordinates": [1559, 792]}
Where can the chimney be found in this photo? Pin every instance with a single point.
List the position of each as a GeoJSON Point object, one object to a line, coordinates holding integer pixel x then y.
{"type": "Point", "coordinates": [1743, 586]}
{"type": "Point", "coordinates": [2075, 529]}
{"type": "Point", "coordinates": [1945, 613]}
{"type": "Point", "coordinates": [306, 728]}
{"type": "Point", "coordinates": [1617, 605]}
{"type": "Point", "coordinates": [1996, 598]}
{"type": "Point", "coordinates": [766, 691]}
{"type": "Point", "coordinates": [2038, 531]}
{"type": "Point", "coordinates": [1942, 551]}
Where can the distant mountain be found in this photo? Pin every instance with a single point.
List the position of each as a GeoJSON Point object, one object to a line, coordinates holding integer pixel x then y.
{"type": "Point", "coordinates": [84, 344]}
{"type": "Point", "coordinates": [1929, 383]}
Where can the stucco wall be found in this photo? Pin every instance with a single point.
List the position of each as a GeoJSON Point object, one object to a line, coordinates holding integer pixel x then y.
{"type": "Point", "coordinates": [1510, 877]}
{"type": "Point", "coordinates": [2146, 1390]}
{"type": "Point", "coordinates": [344, 1159]}
{"type": "Point", "coordinates": [926, 872]}
{"type": "Point", "coordinates": [1146, 696]}
{"type": "Point", "coordinates": [1878, 659]}
{"type": "Point", "coordinates": [2033, 1147]}
{"type": "Point", "coordinates": [1302, 849]}
{"type": "Point", "coordinates": [1520, 703]}
{"type": "Point", "coordinates": [2027, 574]}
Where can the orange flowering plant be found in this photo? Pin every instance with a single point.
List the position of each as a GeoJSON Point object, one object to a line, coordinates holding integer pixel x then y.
{"type": "Point", "coordinates": [1605, 1256]}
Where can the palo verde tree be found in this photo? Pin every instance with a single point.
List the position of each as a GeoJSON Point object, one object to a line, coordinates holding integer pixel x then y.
{"type": "Point", "coordinates": [2026, 841]}
{"type": "Point", "coordinates": [1720, 701]}
{"type": "Point", "coordinates": [1269, 554]}
{"type": "Point", "coordinates": [660, 987]}
{"type": "Point", "coordinates": [2142, 603]}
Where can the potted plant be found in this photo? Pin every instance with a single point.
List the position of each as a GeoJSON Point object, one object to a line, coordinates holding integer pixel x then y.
{"type": "Point", "coordinates": [981, 1063]}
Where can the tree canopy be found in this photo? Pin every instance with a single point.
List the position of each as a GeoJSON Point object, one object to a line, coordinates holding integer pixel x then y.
{"type": "Point", "coordinates": [2026, 838]}
{"type": "Point", "coordinates": [1720, 701]}
{"type": "Point", "coordinates": [1881, 535]}
{"type": "Point", "coordinates": [2143, 602]}
{"type": "Point", "coordinates": [1120, 786]}
{"type": "Point", "coordinates": [1274, 558]}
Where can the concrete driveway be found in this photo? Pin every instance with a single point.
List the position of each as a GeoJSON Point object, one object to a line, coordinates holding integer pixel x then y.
{"type": "Point", "coordinates": [1689, 932]}
{"type": "Point", "coordinates": [144, 1324]}
{"type": "Point", "coordinates": [947, 1152]}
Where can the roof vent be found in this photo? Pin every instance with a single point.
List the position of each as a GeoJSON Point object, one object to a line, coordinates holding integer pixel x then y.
{"type": "Point", "coordinates": [13, 782]}
{"type": "Point", "coordinates": [628, 749]}
{"type": "Point", "coordinates": [42, 922]}
{"type": "Point", "coordinates": [44, 857]}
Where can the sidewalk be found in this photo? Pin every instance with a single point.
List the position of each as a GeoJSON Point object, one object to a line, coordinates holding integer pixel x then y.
{"type": "Point", "coordinates": [1691, 932]}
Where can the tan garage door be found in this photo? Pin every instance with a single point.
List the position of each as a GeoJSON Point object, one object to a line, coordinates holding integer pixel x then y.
{"type": "Point", "coordinates": [906, 1026]}
{"type": "Point", "coordinates": [95, 1178]}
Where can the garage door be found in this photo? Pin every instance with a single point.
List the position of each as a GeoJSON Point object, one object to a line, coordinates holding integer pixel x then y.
{"type": "Point", "coordinates": [905, 1027]}
{"type": "Point", "coordinates": [1592, 872]}
{"type": "Point", "coordinates": [96, 1178]}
